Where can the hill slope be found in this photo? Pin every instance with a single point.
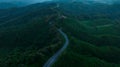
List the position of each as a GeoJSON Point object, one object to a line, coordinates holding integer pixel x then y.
{"type": "Point", "coordinates": [5, 5]}
{"type": "Point", "coordinates": [30, 35]}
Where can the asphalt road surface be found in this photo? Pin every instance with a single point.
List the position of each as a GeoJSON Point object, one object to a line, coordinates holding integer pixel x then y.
{"type": "Point", "coordinates": [54, 58]}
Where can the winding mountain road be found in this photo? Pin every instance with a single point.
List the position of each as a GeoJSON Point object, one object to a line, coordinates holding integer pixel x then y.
{"type": "Point", "coordinates": [53, 59]}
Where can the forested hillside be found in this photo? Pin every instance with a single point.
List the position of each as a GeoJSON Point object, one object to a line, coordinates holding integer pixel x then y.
{"type": "Point", "coordinates": [29, 35]}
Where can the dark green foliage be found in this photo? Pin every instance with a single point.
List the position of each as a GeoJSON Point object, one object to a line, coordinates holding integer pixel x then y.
{"type": "Point", "coordinates": [83, 54]}
{"type": "Point", "coordinates": [29, 35]}
{"type": "Point", "coordinates": [92, 44]}
{"type": "Point", "coordinates": [29, 44]}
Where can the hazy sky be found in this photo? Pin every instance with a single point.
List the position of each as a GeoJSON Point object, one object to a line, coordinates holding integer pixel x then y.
{"type": "Point", "coordinates": [33, 1]}
{"type": "Point", "coordinates": [29, 1]}
{"type": "Point", "coordinates": [47, 0]}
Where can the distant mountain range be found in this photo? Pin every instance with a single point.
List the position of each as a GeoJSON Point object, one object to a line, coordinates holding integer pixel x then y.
{"type": "Point", "coordinates": [7, 5]}
{"type": "Point", "coordinates": [92, 1]}
{"type": "Point", "coordinates": [15, 4]}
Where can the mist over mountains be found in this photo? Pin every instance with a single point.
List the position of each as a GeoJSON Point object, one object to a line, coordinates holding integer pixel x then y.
{"type": "Point", "coordinates": [36, 1]}
{"type": "Point", "coordinates": [25, 1]}
{"type": "Point", "coordinates": [17, 3]}
{"type": "Point", "coordinates": [94, 1]}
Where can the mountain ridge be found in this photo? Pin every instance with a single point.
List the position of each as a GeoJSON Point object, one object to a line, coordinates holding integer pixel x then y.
{"type": "Point", "coordinates": [30, 34]}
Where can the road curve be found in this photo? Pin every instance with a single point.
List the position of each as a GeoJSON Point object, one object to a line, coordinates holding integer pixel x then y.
{"type": "Point", "coordinates": [53, 59]}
